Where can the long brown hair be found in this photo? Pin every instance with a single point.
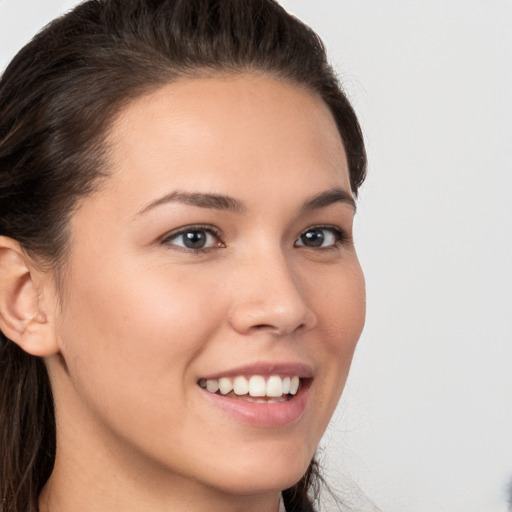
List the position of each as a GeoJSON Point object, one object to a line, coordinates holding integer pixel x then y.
{"type": "Point", "coordinates": [57, 99]}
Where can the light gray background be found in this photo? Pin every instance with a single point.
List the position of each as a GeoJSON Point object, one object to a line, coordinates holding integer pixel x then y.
{"type": "Point", "coordinates": [426, 421]}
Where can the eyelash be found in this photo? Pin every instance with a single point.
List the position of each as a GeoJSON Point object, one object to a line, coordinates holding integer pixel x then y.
{"type": "Point", "coordinates": [210, 230]}
{"type": "Point", "coordinates": [341, 237]}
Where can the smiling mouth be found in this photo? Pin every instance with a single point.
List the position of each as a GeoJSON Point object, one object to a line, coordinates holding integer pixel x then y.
{"type": "Point", "coordinates": [256, 389]}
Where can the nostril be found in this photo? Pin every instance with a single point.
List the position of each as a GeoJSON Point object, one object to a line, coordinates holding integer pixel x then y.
{"type": "Point", "coordinates": [271, 316]}
{"type": "Point", "coordinates": [278, 330]}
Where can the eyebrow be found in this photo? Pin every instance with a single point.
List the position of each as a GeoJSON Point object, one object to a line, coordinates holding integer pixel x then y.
{"type": "Point", "coordinates": [335, 195]}
{"type": "Point", "coordinates": [227, 203]}
{"type": "Point", "coordinates": [202, 200]}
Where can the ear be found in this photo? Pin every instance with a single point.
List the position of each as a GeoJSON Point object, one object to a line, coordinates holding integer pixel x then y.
{"type": "Point", "coordinates": [24, 315]}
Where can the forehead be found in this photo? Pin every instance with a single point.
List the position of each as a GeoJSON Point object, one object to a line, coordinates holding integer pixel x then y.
{"type": "Point", "coordinates": [225, 130]}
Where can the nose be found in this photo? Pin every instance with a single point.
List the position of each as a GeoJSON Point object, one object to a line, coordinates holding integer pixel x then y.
{"type": "Point", "coordinates": [268, 298]}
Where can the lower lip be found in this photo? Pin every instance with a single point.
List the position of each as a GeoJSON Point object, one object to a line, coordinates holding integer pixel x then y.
{"type": "Point", "coordinates": [275, 414]}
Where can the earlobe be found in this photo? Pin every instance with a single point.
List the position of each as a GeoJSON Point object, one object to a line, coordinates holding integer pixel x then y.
{"type": "Point", "coordinates": [23, 318]}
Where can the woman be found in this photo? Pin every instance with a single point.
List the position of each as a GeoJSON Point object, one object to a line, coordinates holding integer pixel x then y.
{"type": "Point", "coordinates": [180, 296]}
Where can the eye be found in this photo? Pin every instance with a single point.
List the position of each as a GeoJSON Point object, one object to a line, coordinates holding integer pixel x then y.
{"type": "Point", "coordinates": [194, 238]}
{"type": "Point", "coordinates": [320, 236]}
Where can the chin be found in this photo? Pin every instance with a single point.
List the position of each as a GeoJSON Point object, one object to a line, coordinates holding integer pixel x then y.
{"type": "Point", "coordinates": [265, 477]}
{"type": "Point", "coordinates": [269, 484]}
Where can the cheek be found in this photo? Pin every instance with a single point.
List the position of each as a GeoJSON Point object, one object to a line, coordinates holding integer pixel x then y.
{"type": "Point", "coordinates": [341, 309]}
{"type": "Point", "coordinates": [129, 348]}
{"type": "Point", "coordinates": [140, 330]}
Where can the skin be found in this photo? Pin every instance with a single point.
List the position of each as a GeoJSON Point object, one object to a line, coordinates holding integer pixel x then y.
{"type": "Point", "coordinates": [141, 318]}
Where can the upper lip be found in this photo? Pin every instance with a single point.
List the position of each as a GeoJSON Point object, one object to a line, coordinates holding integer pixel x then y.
{"type": "Point", "coordinates": [301, 370]}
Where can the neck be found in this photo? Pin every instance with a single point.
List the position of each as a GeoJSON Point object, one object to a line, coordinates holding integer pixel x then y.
{"type": "Point", "coordinates": [70, 490]}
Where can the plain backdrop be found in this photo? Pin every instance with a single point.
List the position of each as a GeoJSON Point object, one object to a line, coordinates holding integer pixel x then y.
{"type": "Point", "coordinates": [425, 424]}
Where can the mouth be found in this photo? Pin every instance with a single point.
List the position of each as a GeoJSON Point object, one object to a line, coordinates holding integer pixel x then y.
{"type": "Point", "coordinates": [261, 394]}
{"type": "Point", "coordinates": [257, 389]}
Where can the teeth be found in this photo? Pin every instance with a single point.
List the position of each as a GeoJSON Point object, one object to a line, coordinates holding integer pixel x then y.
{"type": "Point", "coordinates": [286, 385]}
{"type": "Point", "coordinates": [241, 386]}
{"type": "Point", "coordinates": [212, 386]}
{"type": "Point", "coordinates": [274, 386]}
{"type": "Point", "coordinates": [225, 385]}
{"type": "Point", "coordinates": [294, 385]}
{"type": "Point", "coordinates": [265, 400]}
{"type": "Point", "coordinates": [256, 386]}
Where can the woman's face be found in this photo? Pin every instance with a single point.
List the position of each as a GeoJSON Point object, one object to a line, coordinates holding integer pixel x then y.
{"type": "Point", "coordinates": [219, 249]}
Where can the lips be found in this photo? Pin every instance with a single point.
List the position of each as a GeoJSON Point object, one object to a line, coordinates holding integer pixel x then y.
{"type": "Point", "coordinates": [267, 395]}
{"type": "Point", "coordinates": [268, 389]}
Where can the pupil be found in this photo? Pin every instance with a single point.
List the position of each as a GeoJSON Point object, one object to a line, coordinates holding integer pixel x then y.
{"type": "Point", "coordinates": [194, 239]}
{"type": "Point", "coordinates": [314, 238]}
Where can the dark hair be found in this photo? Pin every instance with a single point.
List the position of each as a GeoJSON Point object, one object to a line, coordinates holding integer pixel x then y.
{"type": "Point", "coordinates": [58, 98]}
